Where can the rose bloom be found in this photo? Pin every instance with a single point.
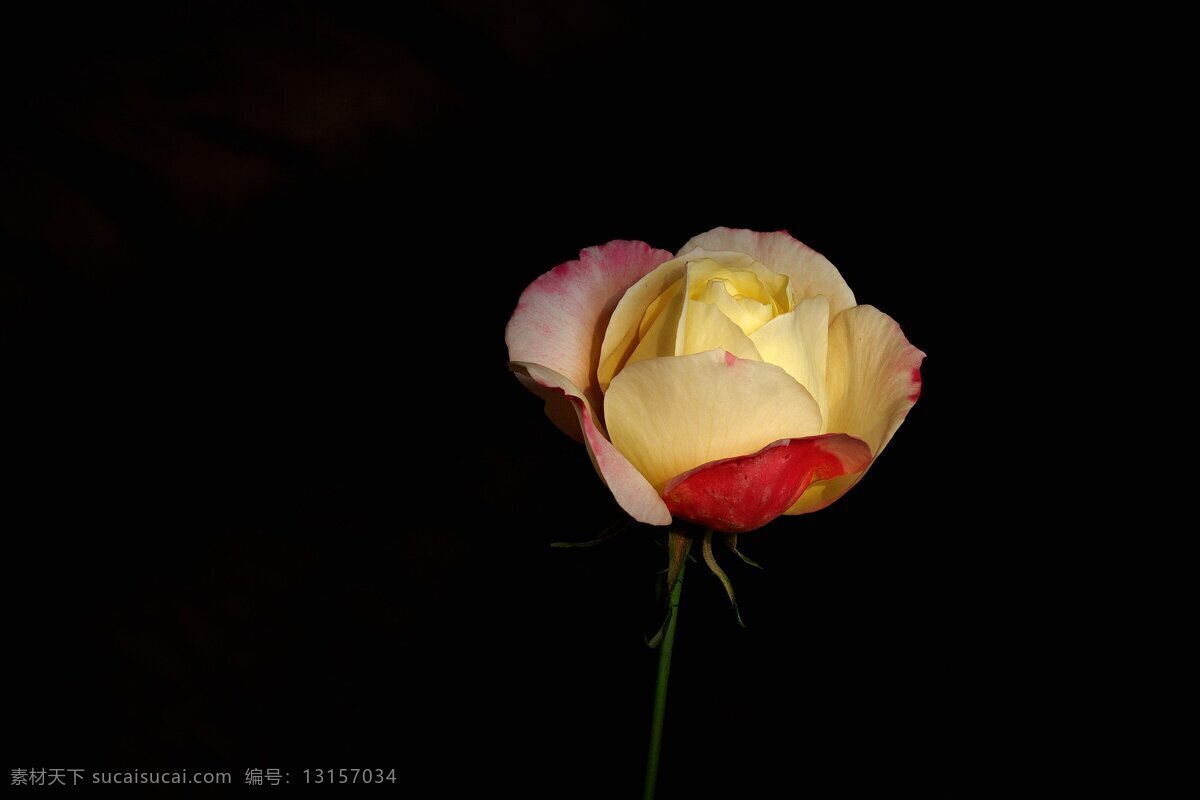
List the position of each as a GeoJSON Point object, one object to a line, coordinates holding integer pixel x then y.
{"type": "Point", "coordinates": [727, 385]}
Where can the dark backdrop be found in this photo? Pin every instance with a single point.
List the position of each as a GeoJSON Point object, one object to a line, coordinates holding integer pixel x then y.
{"type": "Point", "coordinates": [280, 502]}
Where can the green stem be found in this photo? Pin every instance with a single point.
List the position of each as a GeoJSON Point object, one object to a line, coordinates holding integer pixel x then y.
{"type": "Point", "coordinates": [660, 692]}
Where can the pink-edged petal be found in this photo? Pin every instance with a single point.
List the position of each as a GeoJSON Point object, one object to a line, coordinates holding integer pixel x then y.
{"type": "Point", "coordinates": [872, 375]}
{"type": "Point", "coordinates": [631, 490]}
{"type": "Point", "coordinates": [560, 318]}
{"type": "Point", "coordinates": [558, 407]}
{"type": "Point", "coordinates": [872, 379]}
{"type": "Point", "coordinates": [809, 273]}
{"type": "Point", "coordinates": [743, 493]}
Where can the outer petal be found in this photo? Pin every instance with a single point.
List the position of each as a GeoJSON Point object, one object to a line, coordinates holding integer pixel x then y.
{"type": "Point", "coordinates": [873, 375]}
{"type": "Point", "coordinates": [560, 318]}
{"type": "Point", "coordinates": [798, 342]}
{"type": "Point", "coordinates": [558, 406]}
{"type": "Point", "coordinates": [740, 494]}
{"type": "Point", "coordinates": [810, 272]}
{"type": "Point", "coordinates": [670, 415]}
{"type": "Point", "coordinates": [873, 378]}
{"type": "Point", "coordinates": [632, 491]}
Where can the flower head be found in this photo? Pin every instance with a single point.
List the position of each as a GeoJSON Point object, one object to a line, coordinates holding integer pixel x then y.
{"type": "Point", "coordinates": [727, 385]}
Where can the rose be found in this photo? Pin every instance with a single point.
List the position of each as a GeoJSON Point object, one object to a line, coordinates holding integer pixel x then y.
{"type": "Point", "coordinates": [728, 385]}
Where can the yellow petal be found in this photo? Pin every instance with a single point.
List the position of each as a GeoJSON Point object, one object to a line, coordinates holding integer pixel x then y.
{"type": "Point", "coordinates": [707, 328]}
{"type": "Point", "coordinates": [642, 314]}
{"type": "Point", "coordinates": [660, 329]}
{"type": "Point", "coordinates": [798, 342]}
{"type": "Point", "coordinates": [669, 415]}
{"type": "Point", "coordinates": [745, 276]}
{"type": "Point", "coordinates": [679, 326]}
{"type": "Point", "coordinates": [661, 305]}
{"type": "Point", "coordinates": [749, 315]}
{"type": "Point", "coordinates": [622, 335]}
{"type": "Point", "coordinates": [809, 272]}
{"type": "Point", "coordinates": [872, 379]}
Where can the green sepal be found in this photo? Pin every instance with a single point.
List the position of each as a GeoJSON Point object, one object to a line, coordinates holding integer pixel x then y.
{"type": "Point", "coordinates": [711, 560]}
{"type": "Point", "coordinates": [731, 543]}
{"type": "Point", "coordinates": [609, 532]}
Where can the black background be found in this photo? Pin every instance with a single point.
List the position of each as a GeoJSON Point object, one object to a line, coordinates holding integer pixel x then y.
{"type": "Point", "coordinates": [275, 501]}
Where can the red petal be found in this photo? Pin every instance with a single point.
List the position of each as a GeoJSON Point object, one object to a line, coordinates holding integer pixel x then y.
{"type": "Point", "coordinates": [735, 495]}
